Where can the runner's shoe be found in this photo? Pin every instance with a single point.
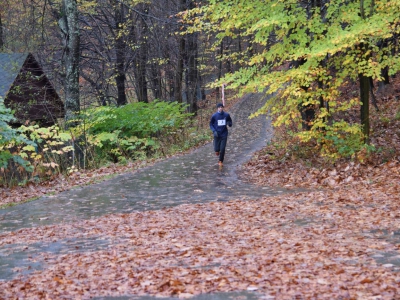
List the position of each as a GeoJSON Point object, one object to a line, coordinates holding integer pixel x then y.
{"type": "Point", "coordinates": [220, 163]}
{"type": "Point", "coordinates": [217, 153]}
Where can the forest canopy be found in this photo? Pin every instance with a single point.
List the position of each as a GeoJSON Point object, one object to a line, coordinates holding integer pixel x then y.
{"type": "Point", "coordinates": [303, 53]}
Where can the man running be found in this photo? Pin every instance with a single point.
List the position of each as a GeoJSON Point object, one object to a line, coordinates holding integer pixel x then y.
{"type": "Point", "coordinates": [218, 124]}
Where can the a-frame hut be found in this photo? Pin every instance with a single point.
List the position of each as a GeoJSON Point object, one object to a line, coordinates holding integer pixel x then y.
{"type": "Point", "coordinates": [25, 89]}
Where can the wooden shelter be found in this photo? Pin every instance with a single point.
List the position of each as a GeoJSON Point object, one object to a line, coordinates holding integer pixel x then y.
{"type": "Point", "coordinates": [27, 91]}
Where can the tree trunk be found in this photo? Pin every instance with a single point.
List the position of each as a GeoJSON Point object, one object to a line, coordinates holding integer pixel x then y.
{"type": "Point", "coordinates": [364, 98]}
{"type": "Point", "coordinates": [179, 71]}
{"type": "Point", "coordinates": [1, 35]}
{"type": "Point", "coordinates": [156, 84]}
{"type": "Point", "coordinates": [170, 74]}
{"type": "Point", "coordinates": [70, 27]}
{"type": "Point", "coordinates": [192, 74]}
{"type": "Point", "coordinates": [364, 90]}
{"type": "Point", "coordinates": [191, 67]}
{"type": "Point", "coordinates": [141, 82]}
{"type": "Point", "coordinates": [386, 81]}
{"type": "Point", "coordinates": [141, 58]}
{"type": "Point", "coordinates": [221, 52]}
{"type": "Point", "coordinates": [373, 98]}
{"type": "Point", "coordinates": [120, 54]}
{"type": "Point", "coordinates": [307, 112]}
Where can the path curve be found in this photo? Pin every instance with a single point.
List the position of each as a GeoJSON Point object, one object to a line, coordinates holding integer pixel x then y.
{"type": "Point", "coordinates": [191, 178]}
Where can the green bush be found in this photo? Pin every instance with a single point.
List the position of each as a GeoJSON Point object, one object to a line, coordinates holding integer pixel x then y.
{"type": "Point", "coordinates": [338, 140]}
{"type": "Point", "coordinates": [10, 140]}
{"type": "Point", "coordinates": [139, 119]}
{"type": "Point", "coordinates": [133, 131]}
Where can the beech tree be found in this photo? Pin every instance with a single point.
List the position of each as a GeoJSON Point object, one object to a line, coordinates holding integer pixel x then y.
{"type": "Point", "coordinates": [70, 27]}
{"type": "Point", "coordinates": [67, 16]}
{"type": "Point", "coordinates": [336, 42]}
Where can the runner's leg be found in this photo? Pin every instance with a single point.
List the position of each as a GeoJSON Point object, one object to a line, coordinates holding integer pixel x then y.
{"type": "Point", "coordinates": [222, 148]}
{"type": "Point", "coordinates": [217, 144]}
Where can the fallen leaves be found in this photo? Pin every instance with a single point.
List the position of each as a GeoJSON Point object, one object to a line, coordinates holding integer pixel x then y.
{"type": "Point", "coordinates": [321, 244]}
{"type": "Point", "coordinates": [239, 245]}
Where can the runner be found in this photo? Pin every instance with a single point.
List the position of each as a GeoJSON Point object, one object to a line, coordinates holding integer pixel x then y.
{"type": "Point", "coordinates": [218, 124]}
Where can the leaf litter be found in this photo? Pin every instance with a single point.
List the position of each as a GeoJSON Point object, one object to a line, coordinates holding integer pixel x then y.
{"type": "Point", "coordinates": [219, 247]}
{"type": "Point", "coordinates": [322, 244]}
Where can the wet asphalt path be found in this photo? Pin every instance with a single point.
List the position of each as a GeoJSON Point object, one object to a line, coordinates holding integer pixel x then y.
{"type": "Point", "coordinates": [192, 178]}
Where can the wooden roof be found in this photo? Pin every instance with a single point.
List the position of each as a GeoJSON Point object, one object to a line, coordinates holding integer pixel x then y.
{"type": "Point", "coordinates": [26, 89]}
{"type": "Point", "coordinates": [10, 66]}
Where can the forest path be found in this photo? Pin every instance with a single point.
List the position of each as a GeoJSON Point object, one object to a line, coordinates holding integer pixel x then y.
{"type": "Point", "coordinates": [191, 178]}
{"type": "Point", "coordinates": [187, 179]}
{"type": "Point", "coordinates": [131, 236]}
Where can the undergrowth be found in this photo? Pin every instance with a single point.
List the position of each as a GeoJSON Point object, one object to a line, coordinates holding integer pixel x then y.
{"type": "Point", "coordinates": [134, 132]}
{"type": "Point", "coordinates": [383, 145]}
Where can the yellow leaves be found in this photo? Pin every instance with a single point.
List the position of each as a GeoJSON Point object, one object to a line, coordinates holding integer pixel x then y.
{"type": "Point", "coordinates": [256, 60]}
{"type": "Point", "coordinates": [57, 152]}
{"type": "Point", "coordinates": [28, 148]}
{"type": "Point", "coordinates": [347, 61]}
{"type": "Point", "coordinates": [51, 164]}
{"type": "Point", "coordinates": [23, 155]}
{"type": "Point", "coordinates": [67, 149]}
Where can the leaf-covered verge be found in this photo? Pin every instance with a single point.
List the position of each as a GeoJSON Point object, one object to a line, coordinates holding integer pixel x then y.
{"type": "Point", "coordinates": [319, 245]}
{"type": "Point", "coordinates": [287, 162]}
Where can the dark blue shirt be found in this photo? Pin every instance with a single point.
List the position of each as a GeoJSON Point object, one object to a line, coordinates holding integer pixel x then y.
{"type": "Point", "coordinates": [219, 122]}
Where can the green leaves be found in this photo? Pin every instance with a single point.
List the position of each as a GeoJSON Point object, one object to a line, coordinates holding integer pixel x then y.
{"type": "Point", "coordinates": [132, 131]}
{"type": "Point", "coordinates": [304, 55]}
{"type": "Point", "coordinates": [10, 139]}
{"type": "Point", "coordinates": [136, 119]}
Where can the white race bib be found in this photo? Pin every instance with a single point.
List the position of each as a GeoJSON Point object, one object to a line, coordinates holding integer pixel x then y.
{"type": "Point", "coordinates": [221, 122]}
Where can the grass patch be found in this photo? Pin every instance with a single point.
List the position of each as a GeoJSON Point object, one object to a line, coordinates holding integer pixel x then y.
{"type": "Point", "coordinates": [11, 204]}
